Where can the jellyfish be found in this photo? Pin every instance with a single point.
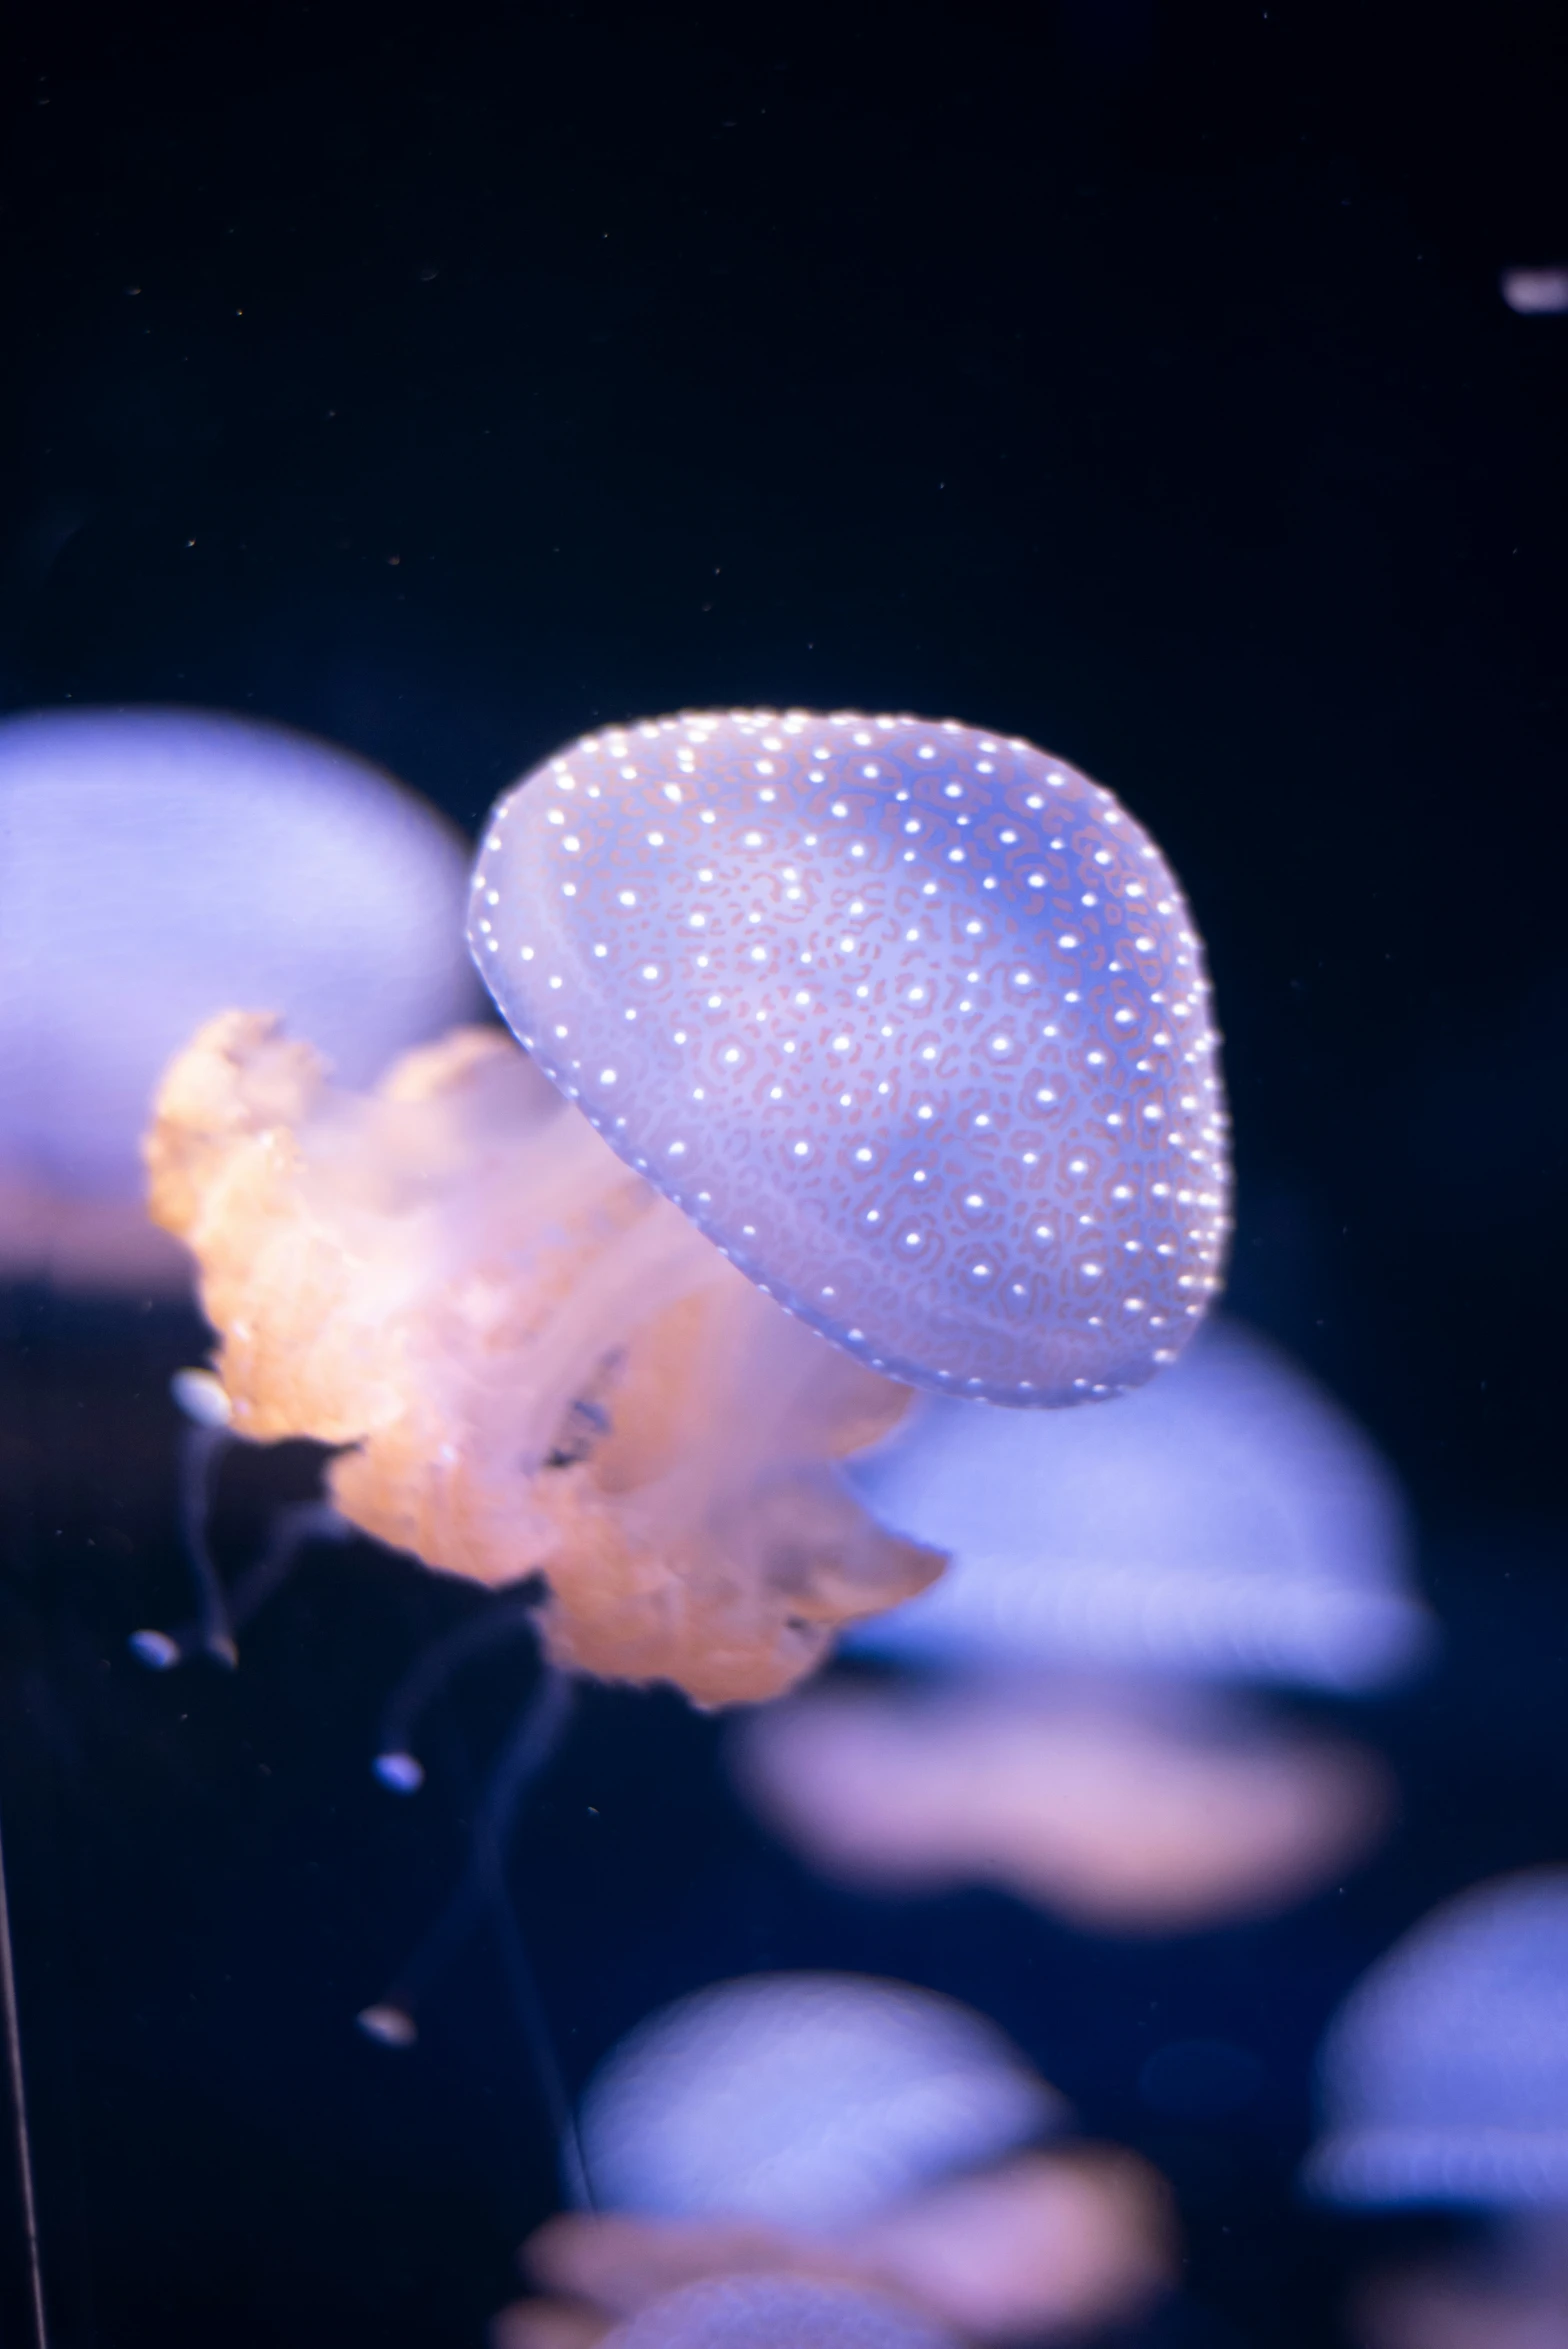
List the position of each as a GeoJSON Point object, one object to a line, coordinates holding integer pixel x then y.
{"type": "Point", "coordinates": [859, 1055]}
{"type": "Point", "coordinates": [532, 1362]}
{"type": "Point", "coordinates": [862, 2132]}
{"type": "Point", "coordinates": [1443, 2084]}
{"type": "Point", "coordinates": [155, 867]}
{"type": "Point", "coordinates": [1061, 1724]}
{"type": "Point", "coordinates": [1535, 293]}
{"type": "Point", "coordinates": [853, 1056]}
{"type": "Point", "coordinates": [777, 2312]}
{"type": "Point", "coordinates": [911, 1020]}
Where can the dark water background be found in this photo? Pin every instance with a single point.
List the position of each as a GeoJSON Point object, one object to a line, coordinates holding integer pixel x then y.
{"type": "Point", "coordinates": [445, 379]}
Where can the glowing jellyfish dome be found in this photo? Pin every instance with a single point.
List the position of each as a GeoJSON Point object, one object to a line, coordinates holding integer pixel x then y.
{"type": "Point", "coordinates": [157, 866]}
{"type": "Point", "coordinates": [1075, 1724]}
{"type": "Point", "coordinates": [1444, 2077]}
{"type": "Point", "coordinates": [1227, 1522]}
{"type": "Point", "coordinates": [777, 2312]}
{"type": "Point", "coordinates": [909, 1018]}
{"type": "Point", "coordinates": [852, 2132]}
{"type": "Point", "coordinates": [807, 2100]}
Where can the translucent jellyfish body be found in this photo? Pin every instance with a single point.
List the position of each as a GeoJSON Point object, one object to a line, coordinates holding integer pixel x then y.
{"type": "Point", "coordinates": [1443, 2080]}
{"type": "Point", "coordinates": [777, 2312]}
{"type": "Point", "coordinates": [533, 1360]}
{"type": "Point", "coordinates": [157, 866]}
{"type": "Point", "coordinates": [909, 1018]}
{"type": "Point", "coordinates": [807, 2099]}
{"type": "Point", "coordinates": [1444, 2077]}
{"type": "Point", "coordinates": [1230, 1522]}
{"type": "Point", "coordinates": [1226, 1525]}
{"type": "Point", "coordinates": [834, 2127]}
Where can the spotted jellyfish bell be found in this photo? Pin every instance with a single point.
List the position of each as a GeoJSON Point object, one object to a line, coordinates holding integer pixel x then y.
{"type": "Point", "coordinates": [157, 865]}
{"type": "Point", "coordinates": [832, 2126]}
{"type": "Point", "coordinates": [1443, 2081]}
{"type": "Point", "coordinates": [1228, 1525]}
{"type": "Point", "coordinates": [909, 1018]}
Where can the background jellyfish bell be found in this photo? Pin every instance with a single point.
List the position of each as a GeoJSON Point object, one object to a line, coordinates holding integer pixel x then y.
{"type": "Point", "coordinates": [812, 2100]}
{"type": "Point", "coordinates": [1443, 2086]}
{"type": "Point", "coordinates": [159, 865]}
{"type": "Point", "coordinates": [777, 2312]}
{"type": "Point", "coordinates": [928, 993]}
{"type": "Point", "coordinates": [1231, 1525]}
{"type": "Point", "coordinates": [1444, 2077]}
{"type": "Point", "coordinates": [1070, 1718]}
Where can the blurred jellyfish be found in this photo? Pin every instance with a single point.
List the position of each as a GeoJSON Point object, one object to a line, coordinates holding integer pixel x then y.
{"type": "Point", "coordinates": [1444, 2077]}
{"type": "Point", "coordinates": [810, 2099]}
{"type": "Point", "coordinates": [820, 1016]}
{"type": "Point", "coordinates": [777, 2312]}
{"type": "Point", "coordinates": [1444, 2083]}
{"type": "Point", "coordinates": [1535, 293]}
{"type": "Point", "coordinates": [1113, 1574]}
{"type": "Point", "coordinates": [829, 2126]}
{"type": "Point", "coordinates": [156, 866]}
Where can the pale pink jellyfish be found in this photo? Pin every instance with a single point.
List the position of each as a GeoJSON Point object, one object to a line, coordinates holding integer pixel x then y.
{"type": "Point", "coordinates": [1068, 1733]}
{"type": "Point", "coordinates": [157, 865]}
{"type": "Point", "coordinates": [830, 2127]}
{"type": "Point", "coordinates": [862, 1053]}
{"type": "Point", "coordinates": [1444, 2085]}
{"type": "Point", "coordinates": [532, 1360]}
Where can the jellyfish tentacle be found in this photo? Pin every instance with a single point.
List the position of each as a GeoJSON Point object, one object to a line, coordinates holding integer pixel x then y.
{"type": "Point", "coordinates": [202, 1454]}
{"type": "Point", "coordinates": [526, 1753]}
{"type": "Point", "coordinates": [293, 1529]}
{"type": "Point", "coordinates": [481, 1898]}
{"type": "Point", "coordinates": [431, 1673]}
{"type": "Point", "coordinates": [205, 1444]}
{"type": "Point", "coordinates": [393, 2018]}
{"type": "Point", "coordinates": [205, 1441]}
{"type": "Point", "coordinates": [530, 1752]}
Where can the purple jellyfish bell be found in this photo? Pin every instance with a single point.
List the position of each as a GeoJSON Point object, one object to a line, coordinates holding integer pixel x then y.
{"type": "Point", "coordinates": [804, 2100]}
{"type": "Point", "coordinates": [1230, 1523]}
{"type": "Point", "coordinates": [777, 2312]}
{"type": "Point", "coordinates": [1444, 2077]}
{"type": "Point", "coordinates": [161, 865]}
{"type": "Point", "coordinates": [909, 1018]}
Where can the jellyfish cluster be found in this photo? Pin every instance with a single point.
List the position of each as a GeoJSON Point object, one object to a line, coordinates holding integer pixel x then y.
{"type": "Point", "coordinates": [808, 1271]}
{"type": "Point", "coordinates": [847, 2132]}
